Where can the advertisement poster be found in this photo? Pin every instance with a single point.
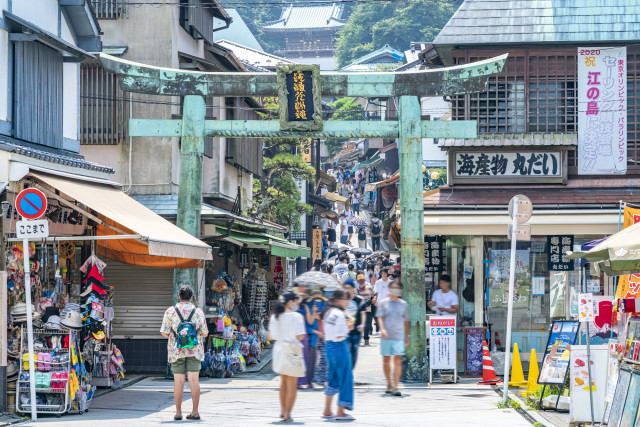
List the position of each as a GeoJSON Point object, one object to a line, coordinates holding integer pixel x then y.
{"type": "Point", "coordinates": [612, 376]}
{"type": "Point", "coordinates": [558, 290]}
{"type": "Point", "coordinates": [442, 345]}
{"type": "Point", "coordinates": [585, 308]}
{"type": "Point", "coordinates": [499, 279]}
{"type": "Point", "coordinates": [602, 110]}
{"type": "Point", "coordinates": [556, 357]}
{"type": "Point", "coordinates": [537, 286]}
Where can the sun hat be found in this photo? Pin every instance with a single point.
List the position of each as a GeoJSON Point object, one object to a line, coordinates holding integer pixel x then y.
{"type": "Point", "coordinates": [360, 277]}
{"type": "Point", "coordinates": [73, 321]}
{"type": "Point", "coordinates": [50, 311]}
{"type": "Point", "coordinates": [53, 322]}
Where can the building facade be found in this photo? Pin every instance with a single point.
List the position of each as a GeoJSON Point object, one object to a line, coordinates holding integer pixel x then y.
{"type": "Point", "coordinates": [309, 32]}
{"type": "Point", "coordinates": [528, 143]}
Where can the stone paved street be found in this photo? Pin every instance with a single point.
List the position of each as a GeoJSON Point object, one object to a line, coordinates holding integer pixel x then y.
{"type": "Point", "coordinates": [253, 400]}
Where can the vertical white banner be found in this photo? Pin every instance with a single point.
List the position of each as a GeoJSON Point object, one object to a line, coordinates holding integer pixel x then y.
{"type": "Point", "coordinates": [602, 110]}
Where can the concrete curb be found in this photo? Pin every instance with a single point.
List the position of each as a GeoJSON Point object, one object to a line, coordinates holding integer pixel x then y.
{"type": "Point", "coordinates": [529, 414]}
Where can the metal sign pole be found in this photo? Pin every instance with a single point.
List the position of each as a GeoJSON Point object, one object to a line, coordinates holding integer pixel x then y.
{"type": "Point", "coordinates": [27, 288]}
{"type": "Point", "coordinates": [512, 276]}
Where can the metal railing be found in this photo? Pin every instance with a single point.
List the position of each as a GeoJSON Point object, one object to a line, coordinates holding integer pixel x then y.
{"type": "Point", "coordinates": [110, 9]}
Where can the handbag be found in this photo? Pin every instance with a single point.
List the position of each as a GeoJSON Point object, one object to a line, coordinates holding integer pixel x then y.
{"type": "Point", "coordinates": [290, 361]}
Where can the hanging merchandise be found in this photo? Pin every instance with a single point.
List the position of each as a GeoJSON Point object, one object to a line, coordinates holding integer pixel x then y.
{"type": "Point", "coordinates": [257, 290]}
{"type": "Point", "coordinates": [278, 275]}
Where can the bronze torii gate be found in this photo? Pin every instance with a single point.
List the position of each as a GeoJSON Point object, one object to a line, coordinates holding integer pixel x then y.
{"type": "Point", "coordinates": [409, 129]}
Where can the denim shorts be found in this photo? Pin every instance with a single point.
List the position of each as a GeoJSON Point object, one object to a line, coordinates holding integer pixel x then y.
{"type": "Point", "coordinates": [392, 347]}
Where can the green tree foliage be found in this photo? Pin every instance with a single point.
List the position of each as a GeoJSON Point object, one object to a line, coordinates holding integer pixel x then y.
{"type": "Point", "coordinates": [276, 196]}
{"type": "Point", "coordinates": [372, 25]}
{"type": "Point", "coordinates": [344, 109]}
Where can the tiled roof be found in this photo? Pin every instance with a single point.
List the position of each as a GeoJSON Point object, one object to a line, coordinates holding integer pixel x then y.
{"type": "Point", "coordinates": [513, 140]}
{"type": "Point", "coordinates": [308, 17]}
{"type": "Point", "coordinates": [536, 21]}
{"type": "Point", "coordinates": [252, 56]}
{"type": "Point", "coordinates": [49, 155]}
{"type": "Point", "coordinates": [385, 55]}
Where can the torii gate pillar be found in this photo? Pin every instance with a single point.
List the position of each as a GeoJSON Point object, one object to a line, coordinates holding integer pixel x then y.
{"type": "Point", "coordinates": [190, 186]}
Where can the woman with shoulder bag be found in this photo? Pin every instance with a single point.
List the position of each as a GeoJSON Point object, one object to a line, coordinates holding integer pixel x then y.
{"type": "Point", "coordinates": [340, 379]}
{"type": "Point", "coordinates": [287, 329]}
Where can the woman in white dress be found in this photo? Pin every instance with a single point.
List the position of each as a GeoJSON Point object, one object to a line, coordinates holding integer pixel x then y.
{"type": "Point", "coordinates": [287, 329]}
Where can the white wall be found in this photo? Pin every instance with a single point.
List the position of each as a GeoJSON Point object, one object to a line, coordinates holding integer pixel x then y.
{"type": "Point", "coordinates": [435, 107]}
{"type": "Point", "coordinates": [43, 13]}
{"type": "Point", "coordinates": [70, 106]}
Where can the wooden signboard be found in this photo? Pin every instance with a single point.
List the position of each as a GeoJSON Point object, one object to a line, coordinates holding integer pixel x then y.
{"type": "Point", "coordinates": [299, 97]}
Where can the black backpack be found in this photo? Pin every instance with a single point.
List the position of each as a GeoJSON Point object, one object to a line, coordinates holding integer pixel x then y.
{"type": "Point", "coordinates": [361, 234]}
{"type": "Point", "coordinates": [375, 227]}
{"type": "Point", "coordinates": [186, 334]}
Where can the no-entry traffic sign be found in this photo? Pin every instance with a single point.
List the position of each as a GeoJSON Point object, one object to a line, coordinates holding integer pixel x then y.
{"type": "Point", "coordinates": [31, 203]}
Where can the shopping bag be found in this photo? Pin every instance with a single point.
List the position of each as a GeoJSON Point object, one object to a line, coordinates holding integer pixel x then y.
{"type": "Point", "coordinates": [290, 361]}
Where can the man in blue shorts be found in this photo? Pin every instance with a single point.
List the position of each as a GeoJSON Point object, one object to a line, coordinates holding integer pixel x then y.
{"type": "Point", "coordinates": [393, 318]}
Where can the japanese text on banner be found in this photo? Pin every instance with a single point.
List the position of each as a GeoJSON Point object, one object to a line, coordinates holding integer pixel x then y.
{"type": "Point", "coordinates": [602, 110]}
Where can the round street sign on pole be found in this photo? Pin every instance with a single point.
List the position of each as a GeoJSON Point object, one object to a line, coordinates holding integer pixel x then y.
{"type": "Point", "coordinates": [31, 203]}
{"type": "Point", "coordinates": [525, 208]}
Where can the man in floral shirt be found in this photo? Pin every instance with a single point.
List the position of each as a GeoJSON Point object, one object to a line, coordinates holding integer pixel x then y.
{"type": "Point", "coordinates": [185, 362]}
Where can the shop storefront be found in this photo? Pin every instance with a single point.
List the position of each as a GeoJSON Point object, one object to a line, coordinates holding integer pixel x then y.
{"type": "Point", "coordinates": [80, 298]}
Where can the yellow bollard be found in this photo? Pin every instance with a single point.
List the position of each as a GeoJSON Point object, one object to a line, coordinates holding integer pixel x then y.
{"type": "Point", "coordinates": [517, 376]}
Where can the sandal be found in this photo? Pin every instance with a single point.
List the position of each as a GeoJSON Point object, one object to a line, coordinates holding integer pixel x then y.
{"type": "Point", "coordinates": [177, 417]}
{"type": "Point", "coordinates": [195, 416]}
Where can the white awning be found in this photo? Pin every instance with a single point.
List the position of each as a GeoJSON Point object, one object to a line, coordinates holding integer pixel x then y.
{"type": "Point", "coordinates": [494, 223]}
{"type": "Point", "coordinates": [163, 237]}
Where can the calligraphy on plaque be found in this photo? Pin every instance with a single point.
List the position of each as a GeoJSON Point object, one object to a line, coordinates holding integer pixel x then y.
{"type": "Point", "coordinates": [493, 166]}
{"type": "Point", "coordinates": [558, 248]}
{"type": "Point", "coordinates": [299, 97]}
{"type": "Point", "coordinates": [434, 254]}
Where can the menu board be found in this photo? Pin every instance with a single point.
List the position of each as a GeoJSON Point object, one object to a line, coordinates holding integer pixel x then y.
{"type": "Point", "coordinates": [557, 356]}
{"type": "Point", "coordinates": [619, 398]}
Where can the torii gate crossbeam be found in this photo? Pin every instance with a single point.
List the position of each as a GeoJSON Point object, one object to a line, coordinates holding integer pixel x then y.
{"type": "Point", "coordinates": [409, 129]}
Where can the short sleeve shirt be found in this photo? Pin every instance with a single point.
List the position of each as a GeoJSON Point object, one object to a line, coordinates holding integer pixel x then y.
{"type": "Point", "coordinates": [446, 300]}
{"type": "Point", "coordinates": [287, 327]}
{"type": "Point", "coordinates": [170, 325]}
{"type": "Point", "coordinates": [335, 325]}
{"type": "Point", "coordinates": [394, 314]}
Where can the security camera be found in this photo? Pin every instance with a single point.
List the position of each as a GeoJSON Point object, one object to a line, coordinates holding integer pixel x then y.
{"type": "Point", "coordinates": [5, 207]}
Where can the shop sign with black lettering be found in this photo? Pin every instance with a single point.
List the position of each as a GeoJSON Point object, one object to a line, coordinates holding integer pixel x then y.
{"type": "Point", "coordinates": [434, 254]}
{"type": "Point", "coordinates": [558, 248]}
{"type": "Point", "coordinates": [477, 166]}
{"type": "Point", "coordinates": [299, 97]}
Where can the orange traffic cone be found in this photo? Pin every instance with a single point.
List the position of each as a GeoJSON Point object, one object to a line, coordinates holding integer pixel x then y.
{"type": "Point", "coordinates": [488, 373]}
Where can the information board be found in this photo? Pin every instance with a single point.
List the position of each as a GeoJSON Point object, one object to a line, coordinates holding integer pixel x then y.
{"type": "Point", "coordinates": [556, 356]}
{"type": "Point", "coordinates": [442, 342]}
